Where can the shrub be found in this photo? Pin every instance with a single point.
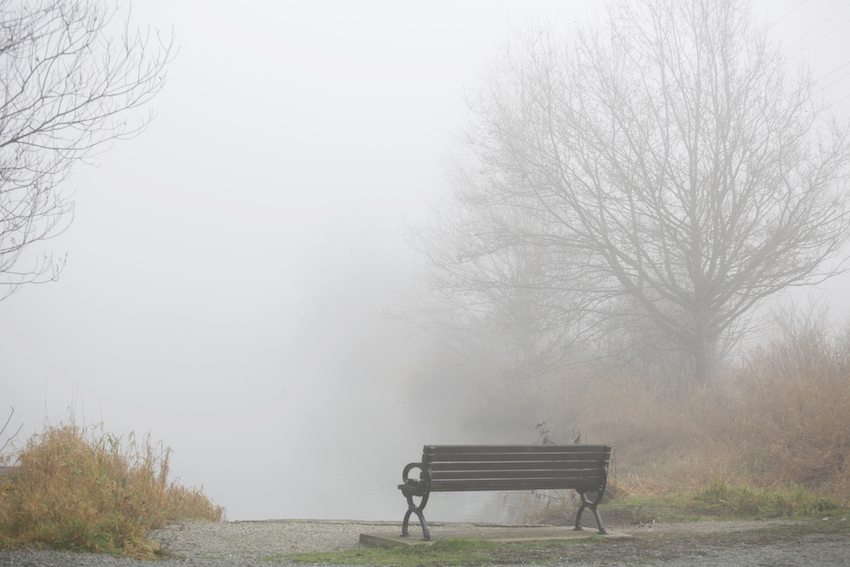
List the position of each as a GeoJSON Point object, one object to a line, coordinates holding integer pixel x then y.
{"type": "Point", "coordinates": [794, 409]}
{"type": "Point", "coordinates": [86, 490]}
{"type": "Point", "coordinates": [776, 424]}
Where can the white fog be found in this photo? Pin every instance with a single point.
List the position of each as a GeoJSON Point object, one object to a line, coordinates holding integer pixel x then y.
{"type": "Point", "coordinates": [228, 270]}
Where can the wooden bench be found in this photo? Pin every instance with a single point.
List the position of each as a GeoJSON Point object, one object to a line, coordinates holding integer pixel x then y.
{"type": "Point", "coordinates": [461, 468]}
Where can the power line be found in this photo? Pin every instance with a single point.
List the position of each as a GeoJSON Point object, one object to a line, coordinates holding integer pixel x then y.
{"type": "Point", "coordinates": [834, 71]}
{"type": "Point", "coordinates": [837, 101]}
{"type": "Point", "coordinates": [829, 34]}
{"type": "Point", "coordinates": [788, 13]}
{"type": "Point", "coordinates": [829, 19]}
{"type": "Point", "coordinates": [818, 39]}
{"type": "Point", "coordinates": [839, 78]}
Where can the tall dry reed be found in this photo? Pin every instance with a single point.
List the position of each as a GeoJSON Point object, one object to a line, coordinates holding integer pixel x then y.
{"type": "Point", "coordinates": [83, 489]}
{"type": "Point", "coordinates": [781, 418]}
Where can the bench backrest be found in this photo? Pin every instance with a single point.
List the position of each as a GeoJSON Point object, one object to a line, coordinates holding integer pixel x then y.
{"type": "Point", "coordinates": [516, 467]}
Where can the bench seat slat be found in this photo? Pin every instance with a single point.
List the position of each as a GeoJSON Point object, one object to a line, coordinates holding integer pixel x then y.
{"type": "Point", "coordinates": [479, 457]}
{"type": "Point", "coordinates": [517, 474]}
{"type": "Point", "coordinates": [515, 465]}
{"type": "Point", "coordinates": [511, 484]}
{"type": "Point", "coordinates": [509, 449]}
{"type": "Point", "coordinates": [516, 448]}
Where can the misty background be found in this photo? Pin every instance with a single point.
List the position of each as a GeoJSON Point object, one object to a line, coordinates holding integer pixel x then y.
{"type": "Point", "coordinates": [228, 269]}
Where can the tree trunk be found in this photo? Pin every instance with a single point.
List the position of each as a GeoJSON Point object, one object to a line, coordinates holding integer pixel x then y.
{"type": "Point", "coordinates": [703, 353]}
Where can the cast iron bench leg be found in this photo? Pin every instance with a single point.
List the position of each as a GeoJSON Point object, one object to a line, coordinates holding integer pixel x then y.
{"type": "Point", "coordinates": [411, 509]}
{"type": "Point", "coordinates": [586, 503]}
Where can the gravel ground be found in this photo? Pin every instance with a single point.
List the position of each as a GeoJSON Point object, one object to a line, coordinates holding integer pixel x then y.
{"type": "Point", "coordinates": [242, 544]}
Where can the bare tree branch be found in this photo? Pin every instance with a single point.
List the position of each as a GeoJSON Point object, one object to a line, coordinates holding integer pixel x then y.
{"type": "Point", "coordinates": [8, 438]}
{"type": "Point", "coordinates": [665, 170]}
{"type": "Point", "coordinates": [65, 88]}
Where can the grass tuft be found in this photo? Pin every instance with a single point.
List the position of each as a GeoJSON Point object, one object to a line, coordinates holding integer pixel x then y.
{"type": "Point", "coordinates": [85, 490]}
{"type": "Point", "coordinates": [749, 501]}
{"type": "Point", "coordinates": [447, 552]}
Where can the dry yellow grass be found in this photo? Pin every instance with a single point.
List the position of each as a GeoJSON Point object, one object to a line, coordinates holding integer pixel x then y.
{"type": "Point", "coordinates": [778, 420]}
{"type": "Point", "coordinates": [781, 418]}
{"type": "Point", "coordinates": [87, 490]}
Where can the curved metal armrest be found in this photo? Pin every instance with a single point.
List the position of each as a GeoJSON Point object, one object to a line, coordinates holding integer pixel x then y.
{"type": "Point", "coordinates": [412, 486]}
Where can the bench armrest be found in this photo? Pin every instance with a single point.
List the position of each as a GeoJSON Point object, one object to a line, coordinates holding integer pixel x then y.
{"type": "Point", "coordinates": [412, 486]}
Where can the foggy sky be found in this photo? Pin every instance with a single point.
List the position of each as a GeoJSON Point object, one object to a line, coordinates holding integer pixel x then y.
{"type": "Point", "coordinates": [226, 268]}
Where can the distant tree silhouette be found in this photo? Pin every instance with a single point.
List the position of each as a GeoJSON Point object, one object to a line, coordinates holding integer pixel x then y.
{"type": "Point", "coordinates": [661, 175]}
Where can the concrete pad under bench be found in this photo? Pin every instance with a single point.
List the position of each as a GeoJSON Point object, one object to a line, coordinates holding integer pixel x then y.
{"type": "Point", "coordinates": [502, 533]}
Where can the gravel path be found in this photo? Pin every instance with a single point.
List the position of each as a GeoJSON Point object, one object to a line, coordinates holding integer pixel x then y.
{"type": "Point", "coordinates": [243, 544]}
{"type": "Point", "coordinates": [256, 540]}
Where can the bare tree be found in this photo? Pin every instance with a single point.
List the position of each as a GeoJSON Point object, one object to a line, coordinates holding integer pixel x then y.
{"type": "Point", "coordinates": [65, 84]}
{"type": "Point", "coordinates": [674, 171]}
{"type": "Point", "coordinates": [497, 304]}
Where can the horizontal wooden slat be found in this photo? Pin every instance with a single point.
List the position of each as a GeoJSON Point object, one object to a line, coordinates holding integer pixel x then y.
{"type": "Point", "coordinates": [590, 474]}
{"type": "Point", "coordinates": [485, 457]}
{"type": "Point", "coordinates": [514, 465]}
{"type": "Point", "coordinates": [517, 448]}
{"type": "Point", "coordinates": [509, 459]}
{"type": "Point", "coordinates": [513, 484]}
{"type": "Point", "coordinates": [452, 453]}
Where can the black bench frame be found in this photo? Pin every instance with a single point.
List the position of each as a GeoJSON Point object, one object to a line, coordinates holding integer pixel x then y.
{"type": "Point", "coordinates": [462, 468]}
